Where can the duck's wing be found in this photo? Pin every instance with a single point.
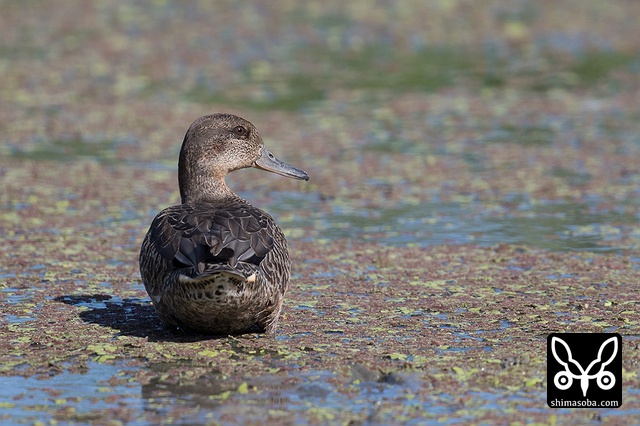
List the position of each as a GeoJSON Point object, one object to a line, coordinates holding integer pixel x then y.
{"type": "Point", "coordinates": [206, 237]}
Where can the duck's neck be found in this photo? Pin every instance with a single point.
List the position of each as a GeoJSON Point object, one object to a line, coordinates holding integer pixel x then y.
{"type": "Point", "coordinates": [205, 190]}
{"type": "Point", "coordinates": [202, 186]}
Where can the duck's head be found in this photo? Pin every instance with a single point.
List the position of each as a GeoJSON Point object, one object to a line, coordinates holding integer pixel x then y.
{"type": "Point", "coordinates": [218, 144]}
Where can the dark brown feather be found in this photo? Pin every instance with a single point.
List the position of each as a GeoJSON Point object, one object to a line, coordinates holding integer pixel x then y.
{"type": "Point", "coordinates": [210, 233]}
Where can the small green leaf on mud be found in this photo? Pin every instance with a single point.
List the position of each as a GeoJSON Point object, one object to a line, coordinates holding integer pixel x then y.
{"type": "Point", "coordinates": [464, 375]}
{"type": "Point", "coordinates": [102, 348]}
{"type": "Point", "coordinates": [243, 388]}
{"type": "Point", "coordinates": [221, 396]}
{"type": "Point", "coordinates": [532, 382]}
{"type": "Point", "coordinates": [397, 356]}
{"type": "Point", "coordinates": [103, 358]}
{"type": "Point", "coordinates": [209, 353]}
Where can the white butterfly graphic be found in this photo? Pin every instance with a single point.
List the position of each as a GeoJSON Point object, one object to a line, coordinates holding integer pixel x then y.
{"type": "Point", "coordinates": [564, 379]}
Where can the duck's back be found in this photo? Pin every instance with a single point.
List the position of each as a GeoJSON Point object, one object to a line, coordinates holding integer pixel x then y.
{"type": "Point", "coordinates": [216, 267]}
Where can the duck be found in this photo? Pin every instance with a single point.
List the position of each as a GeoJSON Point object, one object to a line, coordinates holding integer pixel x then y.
{"type": "Point", "coordinates": [215, 264]}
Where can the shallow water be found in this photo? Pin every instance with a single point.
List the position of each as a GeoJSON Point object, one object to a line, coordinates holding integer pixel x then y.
{"type": "Point", "coordinates": [551, 225]}
{"type": "Point", "coordinates": [81, 398]}
{"type": "Point", "coordinates": [26, 400]}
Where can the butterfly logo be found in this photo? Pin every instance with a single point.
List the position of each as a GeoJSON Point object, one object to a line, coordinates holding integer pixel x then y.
{"type": "Point", "coordinates": [564, 379]}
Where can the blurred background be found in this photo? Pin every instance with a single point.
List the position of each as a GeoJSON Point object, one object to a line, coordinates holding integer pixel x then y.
{"type": "Point", "coordinates": [419, 122]}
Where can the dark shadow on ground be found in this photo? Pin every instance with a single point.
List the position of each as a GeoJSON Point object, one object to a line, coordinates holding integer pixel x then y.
{"type": "Point", "coordinates": [131, 317]}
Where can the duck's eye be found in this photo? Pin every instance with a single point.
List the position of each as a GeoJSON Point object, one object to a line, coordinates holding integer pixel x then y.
{"type": "Point", "coordinates": [240, 131]}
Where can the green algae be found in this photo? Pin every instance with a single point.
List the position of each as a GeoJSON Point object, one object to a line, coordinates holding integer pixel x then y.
{"type": "Point", "coordinates": [594, 66]}
{"type": "Point", "coordinates": [69, 150]}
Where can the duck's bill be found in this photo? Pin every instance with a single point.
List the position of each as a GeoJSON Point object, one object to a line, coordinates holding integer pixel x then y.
{"type": "Point", "coordinates": [270, 163]}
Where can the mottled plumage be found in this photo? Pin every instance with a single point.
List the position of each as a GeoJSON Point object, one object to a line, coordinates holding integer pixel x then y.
{"type": "Point", "coordinates": [215, 264]}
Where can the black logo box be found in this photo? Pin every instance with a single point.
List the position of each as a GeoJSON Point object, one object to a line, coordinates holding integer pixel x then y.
{"type": "Point", "coordinates": [584, 370]}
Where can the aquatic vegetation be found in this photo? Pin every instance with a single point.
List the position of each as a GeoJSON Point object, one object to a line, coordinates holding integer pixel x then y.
{"type": "Point", "coordinates": [475, 187]}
